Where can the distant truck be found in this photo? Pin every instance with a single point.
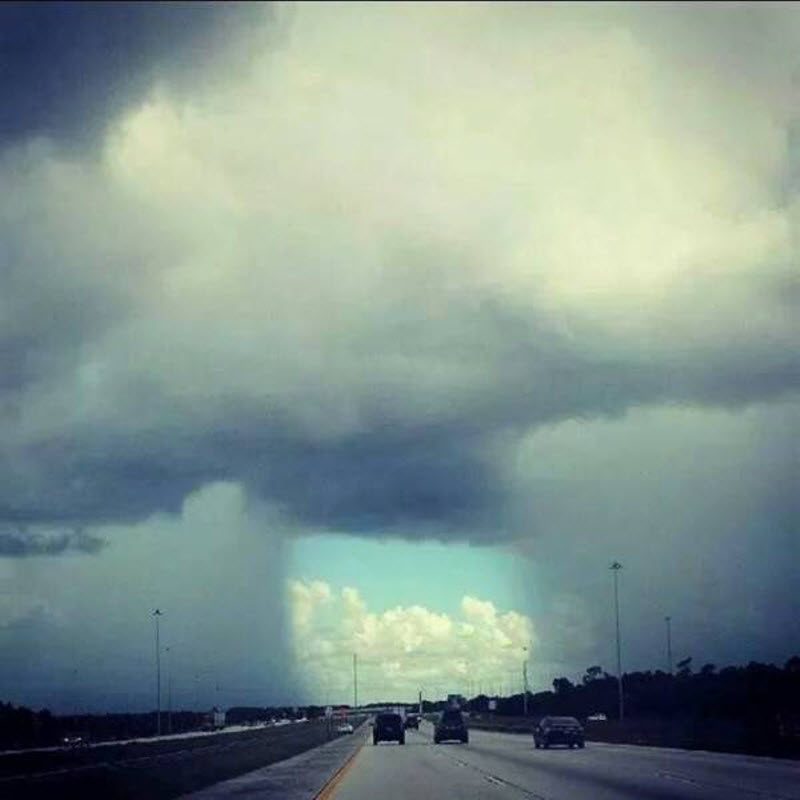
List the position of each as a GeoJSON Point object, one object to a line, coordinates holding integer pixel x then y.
{"type": "Point", "coordinates": [214, 720]}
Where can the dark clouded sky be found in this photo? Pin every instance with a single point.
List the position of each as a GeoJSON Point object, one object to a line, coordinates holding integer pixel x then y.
{"type": "Point", "coordinates": [517, 279]}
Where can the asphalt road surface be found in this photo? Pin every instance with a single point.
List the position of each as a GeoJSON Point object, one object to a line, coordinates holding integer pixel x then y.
{"type": "Point", "coordinates": [507, 767]}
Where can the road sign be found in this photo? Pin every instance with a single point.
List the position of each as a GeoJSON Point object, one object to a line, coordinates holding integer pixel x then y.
{"type": "Point", "coordinates": [493, 705]}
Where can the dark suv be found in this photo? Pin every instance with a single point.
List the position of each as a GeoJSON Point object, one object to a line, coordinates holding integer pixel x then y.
{"type": "Point", "coordinates": [558, 730]}
{"type": "Point", "coordinates": [450, 726]}
{"type": "Point", "coordinates": [388, 728]}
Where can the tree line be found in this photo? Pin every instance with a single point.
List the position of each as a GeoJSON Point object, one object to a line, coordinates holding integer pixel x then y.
{"type": "Point", "coordinates": [753, 692]}
{"type": "Point", "coordinates": [761, 696]}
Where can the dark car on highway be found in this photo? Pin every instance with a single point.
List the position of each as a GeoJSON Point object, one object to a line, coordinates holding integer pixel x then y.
{"type": "Point", "coordinates": [75, 741]}
{"type": "Point", "coordinates": [451, 727]}
{"type": "Point", "coordinates": [558, 730]}
{"type": "Point", "coordinates": [412, 720]}
{"type": "Point", "coordinates": [388, 728]}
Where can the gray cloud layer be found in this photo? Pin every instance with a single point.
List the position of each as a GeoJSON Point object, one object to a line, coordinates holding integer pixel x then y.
{"type": "Point", "coordinates": [523, 275]}
{"type": "Point", "coordinates": [350, 278]}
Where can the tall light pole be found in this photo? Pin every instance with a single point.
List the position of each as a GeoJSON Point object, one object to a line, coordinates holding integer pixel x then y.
{"type": "Point", "coordinates": [157, 614]}
{"type": "Point", "coordinates": [668, 620]}
{"type": "Point", "coordinates": [355, 681]}
{"type": "Point", "coordinates": [169, 690]}
{"type": "Point", "coordinates": [525, 683]}
{"type": "Point", "coordinates": [615, 568]}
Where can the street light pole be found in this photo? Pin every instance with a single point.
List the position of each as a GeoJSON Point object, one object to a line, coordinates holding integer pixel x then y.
{"type": "Point", "coordinates": [615, 568]}
{"type": "Point", "coordinates": [157, 614]}
{"type": "Point", "coordinates": [169, 690]}
{"type": "Point", "coordinates": [355, 681]}
{"type": "Point", "coordinates": [525, 683]}
{"type": "Point", "coordinates": [668, 620]}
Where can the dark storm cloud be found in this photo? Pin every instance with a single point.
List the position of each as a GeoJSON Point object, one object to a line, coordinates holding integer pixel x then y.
{"type": "Point", "coordinates": [412, 470]}
{"type": "Point", "coordinates": [448, 478]}
{"type": "Point", "coordinates": [21, 543]}
{"type": "Point", "coordinates": [419, 483]}
{"type": "Point", "coordinates": [440, 381]}
{"type": "Point", "coordinates": [70, 66]}
{"type": "Point", "coordinates": [368, 279]}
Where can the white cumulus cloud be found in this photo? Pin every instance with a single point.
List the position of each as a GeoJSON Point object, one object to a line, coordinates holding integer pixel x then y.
{"type": "Point", "coordinates": [405, 649]}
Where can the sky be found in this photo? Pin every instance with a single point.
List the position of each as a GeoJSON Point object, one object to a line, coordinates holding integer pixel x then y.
{"type": "Point", "coordinates": [384, 329]}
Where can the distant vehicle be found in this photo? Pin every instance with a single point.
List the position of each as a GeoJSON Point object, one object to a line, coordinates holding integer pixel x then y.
{"type": "Point", "coordinates": [451, 727]}
{"type": "Point", "coordinates": [456, 701]}
{"type": "Point", "coordinates": [388, 728]}
{"type": "Point", "coordinates": [597, 717]}
{"type": "Point", "coordinates": [344, 727]}
{"type": "Point", "coordinates": [75, 741]}
{"type": "Point", "coordinates": [412, 720]}
{"type": "Point", "coordinates": [218, 720]}
{"type": "Point", "coordinates": [558, 730]}
{"type": "Point", "coordinates": [214, 720]}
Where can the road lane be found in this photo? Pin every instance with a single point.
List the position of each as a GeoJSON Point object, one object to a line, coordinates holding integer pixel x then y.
{"type": "Point", "coordinates": [506, 767]}
{"type": "Point", "coordinates": [415, 770]}
{"type": "Point", "coordinates": [614, 771]}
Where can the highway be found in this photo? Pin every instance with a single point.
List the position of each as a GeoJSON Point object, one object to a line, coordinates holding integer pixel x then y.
{"type": "Point", "coordinates": [507, 767]}
{"type": "Point", "coordinates": [265, 765]}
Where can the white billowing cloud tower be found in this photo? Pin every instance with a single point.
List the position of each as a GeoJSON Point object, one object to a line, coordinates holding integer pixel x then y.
{"type": "Point", "coordinates": [403, 650]}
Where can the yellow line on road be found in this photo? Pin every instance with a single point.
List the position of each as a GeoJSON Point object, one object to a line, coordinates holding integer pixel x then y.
{"type": "Point", "coordinates": [330, 787]}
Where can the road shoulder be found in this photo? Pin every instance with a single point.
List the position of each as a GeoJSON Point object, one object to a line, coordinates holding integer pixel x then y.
{"type": "Point", "coordinates": [301, 777]}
